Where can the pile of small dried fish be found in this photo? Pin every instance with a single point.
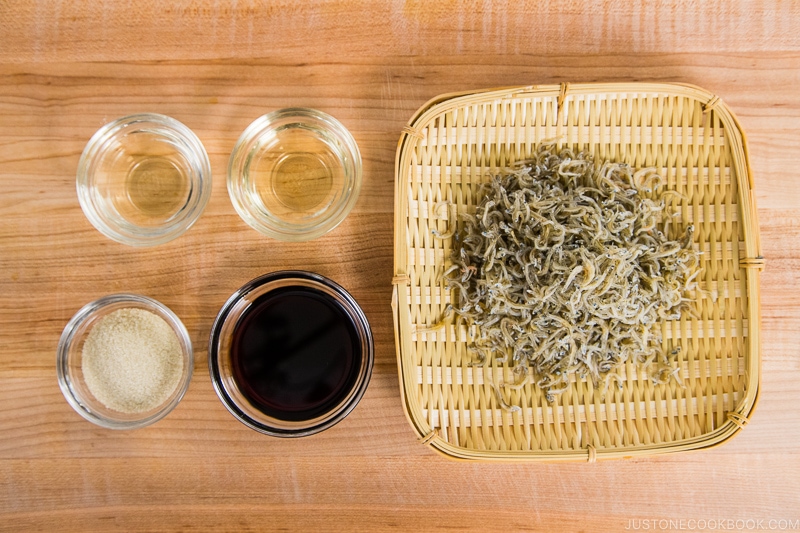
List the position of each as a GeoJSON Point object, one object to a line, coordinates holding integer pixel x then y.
{"type": "Point", "coordinates": [564, 271]}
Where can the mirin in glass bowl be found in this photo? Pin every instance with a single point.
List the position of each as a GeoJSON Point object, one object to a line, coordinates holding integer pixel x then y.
{"type": "Point", "coordinates": [294, 174]}
{"type": "Point", "coordinates": [143, 179]}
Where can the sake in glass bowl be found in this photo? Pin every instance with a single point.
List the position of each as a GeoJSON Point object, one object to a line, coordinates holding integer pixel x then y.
{"type": "Point", "coordinates": [294, 174]}
{"type": "Point", "coordinates": [143, 179]}
{"type": "Point", "coordinates": [69, 361]}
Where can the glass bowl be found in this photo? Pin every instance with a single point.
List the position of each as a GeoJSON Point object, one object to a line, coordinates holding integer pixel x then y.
{"type": "Point", "coordinates": [70, 355]}
{"type": "Point", "coordinates": [291, 371]}
{"type": "Point", "coordinates": [143, 179]}
{"type": "Point", "coordinates": [294, 174]}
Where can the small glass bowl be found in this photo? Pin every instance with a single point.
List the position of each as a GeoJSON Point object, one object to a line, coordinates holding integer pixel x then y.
{"type": "Point", "coordinates": [220, 357]}
{"type": "Point", "coordinates": [294, 174]}
{"type": "Point", "coordinates": [70, 353]}
{"type": "Point", "coordinates": [143, 179]}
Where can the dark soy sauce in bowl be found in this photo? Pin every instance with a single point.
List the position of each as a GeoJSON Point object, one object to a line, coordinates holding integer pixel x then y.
{"type": "Point", "coordinates": [295, 353]}
{"type": "Point", "coordinates": [290, 353]}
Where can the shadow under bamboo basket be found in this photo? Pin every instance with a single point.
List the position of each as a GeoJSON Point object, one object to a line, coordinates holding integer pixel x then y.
{"type": "Point", "coordinates": [455, 143]}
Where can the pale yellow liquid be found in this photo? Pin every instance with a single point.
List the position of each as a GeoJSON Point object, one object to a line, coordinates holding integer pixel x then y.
{"type": "Point", "coordinates": [144, 180]}
{"type": "Point", "coordinates": [295, 176]}
{"type": "Point", "coordinates": [301, 181]}
{"type": "Point", "coordinates": [157, 188]}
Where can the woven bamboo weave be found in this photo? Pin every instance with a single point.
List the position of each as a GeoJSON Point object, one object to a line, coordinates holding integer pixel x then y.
{"type": "Point", "coordinates": [457, 142]}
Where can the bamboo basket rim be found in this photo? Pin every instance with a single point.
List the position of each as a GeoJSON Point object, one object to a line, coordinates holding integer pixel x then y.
{"type": "Point", "coordinates": [751, 265]}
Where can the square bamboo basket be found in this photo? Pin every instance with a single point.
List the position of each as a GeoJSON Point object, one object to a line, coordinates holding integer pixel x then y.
{"type": "Point", "coordinates": [456, 142]}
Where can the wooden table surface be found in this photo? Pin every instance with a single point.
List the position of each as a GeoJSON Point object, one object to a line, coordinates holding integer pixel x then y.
{"type": "Point", "coordinates": [68, 67]}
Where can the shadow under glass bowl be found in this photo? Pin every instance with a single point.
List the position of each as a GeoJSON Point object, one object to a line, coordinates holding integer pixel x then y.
{"type": "Point", "coordinates": [143, 179]}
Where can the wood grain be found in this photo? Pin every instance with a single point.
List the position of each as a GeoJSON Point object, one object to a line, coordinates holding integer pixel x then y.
{"type": "Point", "coordinates": [68, 67]}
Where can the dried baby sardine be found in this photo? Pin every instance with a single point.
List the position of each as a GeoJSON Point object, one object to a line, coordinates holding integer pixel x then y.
{"type": "Point", "coordinates": [565, 268]}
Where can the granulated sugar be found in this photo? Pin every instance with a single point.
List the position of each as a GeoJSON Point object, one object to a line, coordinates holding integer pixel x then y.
{"type": "Point", "coordinates": [132, 360]}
